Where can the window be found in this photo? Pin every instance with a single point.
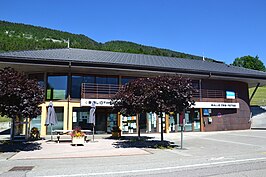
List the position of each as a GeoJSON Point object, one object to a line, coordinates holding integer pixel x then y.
{"type": "Point", "coordinates": [125, 80]}
{"type": "Point", "coordinates": [56, 88]}
{"type": "Point", "coordinates": [36, 122]}
{"type": "Point", "coordinates": [106, 85]}
{"type": "Point", "coordinates": [76, 84]}
{"type": "Point", "coordinates": [107, 80]}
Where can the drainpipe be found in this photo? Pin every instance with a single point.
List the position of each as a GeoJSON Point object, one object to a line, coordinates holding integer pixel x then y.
{"type": "Point", "coordinates": [253, 93]}
{"type": "Point", "coordinates": [68, 94]}
{"type": "Point", "coordinates": [200, 89]}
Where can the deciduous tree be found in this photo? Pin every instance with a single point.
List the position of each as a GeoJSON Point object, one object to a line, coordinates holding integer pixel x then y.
{"type": "Point", "coordinates": [162, 94]}
{"type": "Point", "coordinates": [19, 96]}
{"type": "Point", "coordinates": [166, 94]}
{"type": "Point", "coordinates": [250, 63]}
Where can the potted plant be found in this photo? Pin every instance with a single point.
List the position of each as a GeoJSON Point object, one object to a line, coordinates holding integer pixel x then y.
{"type": "Point", "coordinates": [116, 132]}
{"type": "Point", "coordinates": [78, 137]}
{"type": "Point", "coordinates": [34, 133]}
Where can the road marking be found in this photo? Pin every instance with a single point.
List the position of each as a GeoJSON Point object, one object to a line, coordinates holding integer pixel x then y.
{"type": "Point", "coordinates": [217, 158]}
{"type": "Point", "coordinates": [220, 158]}
{"type": "Point", "coordinates": [233, 142]}
{"type": "Point", "coordinates": [160, 169]}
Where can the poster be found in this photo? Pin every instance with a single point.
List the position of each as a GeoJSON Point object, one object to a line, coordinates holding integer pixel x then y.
{"type": "Point", "coordinates": [74, 116]}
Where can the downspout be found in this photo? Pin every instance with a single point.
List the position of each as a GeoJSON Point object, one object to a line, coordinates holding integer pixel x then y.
{"type": "Point", "coordinates": [200, 90]}
{"type": "Point", "coordinates": [253, 93]}
{"type": "Point", "coordinates": [68, 94]}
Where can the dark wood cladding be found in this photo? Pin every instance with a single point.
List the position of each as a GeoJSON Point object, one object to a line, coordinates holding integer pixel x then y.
{"type": "Point", "coordinates": [240, 88]}
{"type": "Point", "coordinates": [230, 119]}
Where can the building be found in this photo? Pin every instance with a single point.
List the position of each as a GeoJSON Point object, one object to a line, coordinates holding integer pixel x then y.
{"type": "Point", "coordinates": [74, 78]}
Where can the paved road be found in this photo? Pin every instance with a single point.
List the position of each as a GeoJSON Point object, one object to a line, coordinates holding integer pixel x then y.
{"type": "Point", "coordinates": [217, 154]}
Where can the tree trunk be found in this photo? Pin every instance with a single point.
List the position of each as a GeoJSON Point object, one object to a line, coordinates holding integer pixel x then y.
{"type": "Point", "coordinates": [12, 131]}
{"type": "Point", "coordinates": [138, 117]}
{"type": "Point", "coordinates": [161, 115]}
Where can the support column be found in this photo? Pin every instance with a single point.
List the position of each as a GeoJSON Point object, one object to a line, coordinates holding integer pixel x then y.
{"type": "Point", "coordinates": [166, 123]}
{"type": "Point", "coordinates": [70, 117]}
{"type": "Point", "coordinates": [65, 118]}
{"type": "Point", "coordinates": [43, 118]}
{"type": "Point", "coordinates": [201, 121]}
{"type": "Point", "coordinates": [119, 121]}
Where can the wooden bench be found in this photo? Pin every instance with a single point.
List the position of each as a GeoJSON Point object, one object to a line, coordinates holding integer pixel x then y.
{"type": "Point", "coordinates": [65, 134]}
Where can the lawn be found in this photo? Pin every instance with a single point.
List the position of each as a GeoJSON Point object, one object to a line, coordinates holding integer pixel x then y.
{"type": "Point", "coordinates": [259, 98]}
{"type": "Point", "coordinates": [4, 119]}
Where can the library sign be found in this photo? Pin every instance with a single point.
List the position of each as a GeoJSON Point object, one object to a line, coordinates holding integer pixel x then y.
{"type": "Point", "coordinates": [98, 102]}
{"type": "Point", "coordinates": [215, 105]}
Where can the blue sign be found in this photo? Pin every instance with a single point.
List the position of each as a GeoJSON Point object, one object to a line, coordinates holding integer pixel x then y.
{"type": "Point", "coordinates": [230, 95]}
{"type": "Point", "coordinates": [206, 112]}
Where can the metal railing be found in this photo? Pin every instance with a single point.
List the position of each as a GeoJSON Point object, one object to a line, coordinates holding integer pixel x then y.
{"type": "Point", "coordinates": [107, 91]}
{"type": "Point", "coordinates": [97, 91]}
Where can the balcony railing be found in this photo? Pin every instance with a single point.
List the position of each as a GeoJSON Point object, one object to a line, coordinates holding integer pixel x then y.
{"type": "Point", "coordinates": [107, 91]}
{"type": "Point", "coordinates": [98, 91]}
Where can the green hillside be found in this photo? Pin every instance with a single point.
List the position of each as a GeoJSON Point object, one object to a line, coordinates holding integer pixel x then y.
{"type": "Point", "coordinates": [16, 36]}
{"type": "Point", "coordinates": [259, 98]}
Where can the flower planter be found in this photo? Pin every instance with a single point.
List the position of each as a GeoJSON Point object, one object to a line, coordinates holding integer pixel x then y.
{"type": "Point", "coordinates": [116, 134]}
{"type": "Point", "coordinates": [77, 140]}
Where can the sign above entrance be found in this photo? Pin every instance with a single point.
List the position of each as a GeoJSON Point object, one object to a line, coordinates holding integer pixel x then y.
{"type": "Point", "coordinates": [98, 102]}
{"type": "Point", "coordinates": [215, 105]}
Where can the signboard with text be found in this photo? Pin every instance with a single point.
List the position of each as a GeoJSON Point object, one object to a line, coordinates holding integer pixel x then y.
{"type": "Point", "coordinates": [215, 105]}
{"type": "Point", "coordinates": [98, 102]}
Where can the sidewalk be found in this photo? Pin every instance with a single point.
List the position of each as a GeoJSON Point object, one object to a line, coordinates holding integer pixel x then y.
{"type": "Point", "coordinates": [104, 147]}
{"type": "Point", "coordinates": [99, 148]}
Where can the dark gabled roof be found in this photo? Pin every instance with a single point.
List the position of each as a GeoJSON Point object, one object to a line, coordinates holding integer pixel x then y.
{"type": "Point", "coordinates": [118, 59]}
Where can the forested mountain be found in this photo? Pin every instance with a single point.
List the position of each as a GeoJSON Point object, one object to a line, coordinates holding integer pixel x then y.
{"type": "Point", "coordinates": [15, 36]}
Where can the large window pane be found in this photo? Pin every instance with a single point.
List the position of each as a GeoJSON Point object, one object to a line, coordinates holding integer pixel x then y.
{"type": "Point", "coordinates": [56, 87]}
{"type": "Point", "coordinates": [107, 80]}
{"type": "Point", "coordinates": [112, 80]}
{"type": "Point", "coordinates": [125, 80]}
{"type": "Point", "coordinates": [36, 122]}
{"type": "Point", "coordinates": [76, 84]}
{"type": "Point", "coordinates": [101, 80]}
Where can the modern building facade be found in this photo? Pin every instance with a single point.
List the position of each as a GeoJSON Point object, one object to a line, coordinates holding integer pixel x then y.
{"type": "Point", "coordinates": [74, 78]}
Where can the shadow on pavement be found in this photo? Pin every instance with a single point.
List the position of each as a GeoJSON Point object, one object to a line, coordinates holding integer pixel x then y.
{"type": "Point", "coordinates": [5, 132]}
{"type": "Point", "coordinates": [143, 142]}
{"type": "Point", "coordinates": [8, 146]}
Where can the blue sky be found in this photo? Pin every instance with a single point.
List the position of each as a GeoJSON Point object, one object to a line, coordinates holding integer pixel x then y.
{"type": "Point", "coordinates": [219, 29]}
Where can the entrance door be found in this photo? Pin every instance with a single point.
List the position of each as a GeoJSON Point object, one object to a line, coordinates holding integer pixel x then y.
{"type": "Point", "coordinates": [101, 120]}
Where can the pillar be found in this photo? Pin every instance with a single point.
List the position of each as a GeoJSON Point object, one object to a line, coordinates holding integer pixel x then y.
{"type": "Point", "coordinates": [119, 121]}
{"type": "Point", "coordinates": [43, 118]}
{"type": "Point", "coordinates": [201, 121]}
{"type": "Point", "coordinates": [166, 123]}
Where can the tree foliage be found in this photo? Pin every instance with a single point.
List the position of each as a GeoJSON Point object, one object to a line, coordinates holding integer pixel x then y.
{"type": "Point", "coordinates": [15, 36]}
{"type": "Point", "coordinates": [130, 98]}
{"type": "Point", "coordinates": [250, 63]}
{"type": "Point", "coordinates": [169, 94]}
{"type": "Point", "coordinates": [162, 94]}
{"type": "Point", "coordinates": [19, 96]}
